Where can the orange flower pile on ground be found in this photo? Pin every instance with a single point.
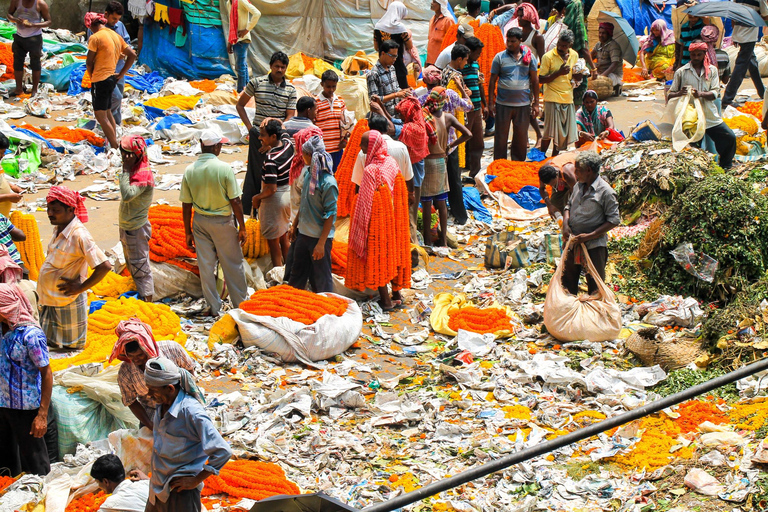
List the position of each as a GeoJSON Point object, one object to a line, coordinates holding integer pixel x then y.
{"type": "Point", "coordinates": [695, 412]}
{"type": "Point", "coordinates": [289, 302]}
{"type": "Point", "coordinates": [481, 321]}
{"type": "Point", "coordinates": [339, 258]}
{"type": "Point", "coordinates": [633, 75]}
{"type": "Point", "coordinates": [494, 43]}
{"type": "Point", "coordinates": [512, 176]}
{"type": "Point", "coordinates": [204, 85]}
{"type": "Point", "coordinates": [346, 166]}
{"type": "Point", "coordinates": [754, 108]}
{"type": "Point", "coordinates": [388, 257]}
{"type": "Point", "coordinates": [88, 503]}
{"type": "Point", "coordinates": [65, 133]}
{"type": "Point", "coordinates": [6, 58]}
{"type": "Point", "coordinates": [249, 479]}
{"type": "Point", "coordinates": [168, 242]}
{"type": "Point", "coordinates": [5, 482]}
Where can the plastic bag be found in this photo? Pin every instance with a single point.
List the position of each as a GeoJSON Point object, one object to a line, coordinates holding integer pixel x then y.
{"type": "Point", "coordinates": [573, 318]}
{"type": "Point", "coordinates": [170, 281]}
{"type": "Point", "coordinates": [294, 341]}
{"type": "Point", "coordinates": [505, 250]}
{"type": "Point", "coordinates": [446, 304]}
{"type": "Point", "coordinates": [134, 448]}
{"type": "Point", "coordinates": [679, 138]}
{"type": "Point", "coordinates": [697, 264]}
{"type": "Point", "coordinates": [702, 482]}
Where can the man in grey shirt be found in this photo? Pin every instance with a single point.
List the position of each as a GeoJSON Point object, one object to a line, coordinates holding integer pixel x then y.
{"type": "Point", "coordinates": [591, 212]}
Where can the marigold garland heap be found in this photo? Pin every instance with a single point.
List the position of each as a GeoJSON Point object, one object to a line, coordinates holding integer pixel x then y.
{"type": "Point", "coordinates": [494, 43]}
{"type": "Point", "coordinates": [652, 451]}
{"type": "Point", "coordinates": [695, 412]}
{"type": "Point", "coordinates": [6, 58]}
{"type": "Point", "coordinates": [113, 285]}
{"type": "Point", "coordinates": [512, 176]}
{"type": "Point", "coordinates": [289, 302]}
{"type": "Point", "coordinates": [754, 108]}
{"type": "Point", "coordinates": [31, 250]}
{"type": "Point", "coordinates": [481, 321]}
{"type": "Point", "coordinates": [339, 257]}
{"type": "Point", "coordinates": [255, 245]}
{"type": "Point", "coordinates": [346, 166]}
{"type": "Point", "coordinates": [74, 135]}
{"type": "Point", "coordinates": [250, 479]}
{"type": "Point", "coordinates": [88, 503]}
{"type": "Point", "coordinates": [5, 482]}
{"type": "Point", "coordinates": [168, 243]}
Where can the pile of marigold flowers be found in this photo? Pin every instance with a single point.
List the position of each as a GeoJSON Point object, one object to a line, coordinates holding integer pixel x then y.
{"type": "Point", "coordinates": [101, 336]}
{"type": "Point", "coordinates": [632, 75]}
{"type": "Point", "coordinates": [346, 166]}
{"type": "Point", "coordinates": [481, 321]}
{"type": "Point", "coordinates": [203, 85]}
{"type": "Point", "coordinates": [31, 250]}
{"type": "Point", "coordinates": [512, 176]}
{"type": "Point", "coordinates": [5, 482]}
{"type": "Point", "coordinates": [695, 412]}
{"type": "Point", "coordinates": [73, 135]}
{"type": "Point", "coordinates": [493, 42]}
{"type": "Point", "coordinates": [652, 451]}
{"type": "Point", "coordinates": [754, 108]}
{"type": "Point", "coordinates": [249, 479]}
{"type": "Point", "coordinates": [6, 58]}
{"type": "Point", "coordinates": [339, 257]}
{"type": "Point", "coordinates": [744, 123]}
{"type": "Point", "coordinates": [113, 285]}
{"type": "Point", "coordinates": [255, 245]}
{"type": "Point", "coordinates": [88, 503]}
{"type": "Point", "coordinates": [168, 243]}
{"type": "Point", "coordinates": [289, 302]}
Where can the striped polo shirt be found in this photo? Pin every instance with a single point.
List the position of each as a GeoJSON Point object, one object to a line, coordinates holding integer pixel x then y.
{"type": "Point", "coordinates": [277, 165]}
{"type": "Point", "coordinates": [5, 238]}
{"type": "Point", "coordinates": [272, 100]}
{"type": "Point", "coordinates": [471, 74]}
{"type": "Point", "coordinates": [328, 118]}
{"type": "Point", "coordinates": [514, 85]}
{"type": "Point", "coordinates": [689, 34]}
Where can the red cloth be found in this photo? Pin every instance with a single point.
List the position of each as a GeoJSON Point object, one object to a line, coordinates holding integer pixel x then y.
{"type": "Point", "coordinates": [90, 16]}
{"type": "Point", "coordinates": [529, 14]}
{"type": "Point", "coordinates": [134, 330]}
{"type": "Point", "coordinates": [379, 168]}
{"type": "Point", "coordinates": [141, 174]}
{"type": "Point", "coordinates": [69, 198]}
{"type": "Point", "coordinates": [10, 271]}
{"type": "Point", "coordinates": [414, 132]}
{"type": "Point", "coordinates": [614, 136]}
{"type": "Point", "coordinates": [705, 48]}
{"type": "Point", "coordinates": [233, 22]}
{"type": "Point", "coordinates": [15, 308]}
{"type": "Point", "coordinates": [608, 27]}
{"type": "Point", "coordinates": [299, 138]}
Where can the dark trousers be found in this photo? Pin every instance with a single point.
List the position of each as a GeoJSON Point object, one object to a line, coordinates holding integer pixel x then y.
{"type": "Point", "coordinates": [19, 450]}
{"type": "Point", "coordinates": [519, 118]}
{"type": "Point", "coordinates": [303, 268]}
{"type": "Point", "coordinates": [476, 144]}
{"type": "Point", "coordinates": [183, 501]}
{"type": "Point", "coordinates": [336, 157]}
{"type": "Point", "coordinates": [455, 188]}
{"type": "Point", "coordinates": [745, 60]}
{"type": "Point", "coordinates": [252, 181]}
{"type": "Point", "coordinates": [572, 271]}
{"type": "Point", "coordinates": [725, 143]}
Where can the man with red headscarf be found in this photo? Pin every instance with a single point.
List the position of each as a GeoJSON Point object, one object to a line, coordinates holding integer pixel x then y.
{"type": "Point", "coordinates": [608, 54]}
{"type": "Point", "coordinates": [63, 282]}
{"type": "Point", "coordinates": [701, 78]}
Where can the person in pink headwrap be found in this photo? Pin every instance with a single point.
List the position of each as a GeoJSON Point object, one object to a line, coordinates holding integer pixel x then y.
{"type": "Point", "coordinates": [63, 281]}
{"type": "Point", "coordinates": [607, 52]}
{"type": "Point", "coordinates": [700, 77]}
{"type": "Point", "coordinates": [528, 19]}
{"type": "Point", "coordinates": [657, 53]}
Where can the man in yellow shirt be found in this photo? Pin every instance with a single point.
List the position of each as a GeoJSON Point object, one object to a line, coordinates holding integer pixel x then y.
{"type": "Point", "coordinates": [555, 74]}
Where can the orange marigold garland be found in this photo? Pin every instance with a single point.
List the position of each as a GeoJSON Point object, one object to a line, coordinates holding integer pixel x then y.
{"type": "Point", "coordinates": [512, 176]}
{"type": "Point", "coordinates": [65, 133]}
{"type": "Point", "coordinates": [403, 235]}
{"type": "Point", "coordinates": [695, 412]}
{"type": "Point", "coordinates": [345, 168]}
{"type": "Point", "coordinates": [87, 503]}
{"type": "Point", "coordinates": [494, 43]}
{"type": "Point", "coordinates": [5, 482]}
{"type": "Point", "coordinates": [339, 258]}
{"type": "Point", "coordinates": [481, 321]}
{"type": "Point", "coordinates": [168, 243]}
{"type": "Point", "coordinates": [450, 36]}
{"type": "Point", "coordinates": [6, 57]}
{"type": "Point", "coordinates": [288, 302]}
{"type": "Point", "coordinates": [250, 479]}
{"type": "Point", "coordinates": [754, 108]}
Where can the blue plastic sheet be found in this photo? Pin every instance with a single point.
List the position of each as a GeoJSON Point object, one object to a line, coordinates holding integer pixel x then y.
{"type": "Point", "coordinates": [39, 137]}
{"type": "Point", "coordinates": [473, 203]}
{"type": "Point", "coordinates": [529, 198]}
{"type": "Point", "coordinates": [59, 78]}
{"type": "Point", "coordinates": [96, 305]}
{"type": "Point", "coordinates": [167, 122]}
{"type": "Point", "coordinates": [204, 54]}
{"type": "Point", "coordinates": [535, 155]}
{"type": "Point", "coordinates": [641, 15]}
{"type": "Point", "coordinates": [151, 83]}
{"type": "Point", "coordinates": [75, 80]}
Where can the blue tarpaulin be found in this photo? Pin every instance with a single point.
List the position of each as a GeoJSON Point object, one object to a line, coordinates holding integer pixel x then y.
{"type": "Point", "coordinates": [529, 198]}
{"type": "Point", "coordinates": [473, 203]}
{"type": "Point", "coordinates": [641, 15]}
{"type": "Point", "coordinates": [151, 82]}
{"type": "Point", "coordinates": [59, 78]}
{"type": "Point", "coordinates": [166, 122]}
{"type": "Point", "coordinates": [75, 79]}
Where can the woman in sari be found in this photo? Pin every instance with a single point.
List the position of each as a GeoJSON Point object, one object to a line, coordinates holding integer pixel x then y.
{"type": "Point", "coordinates": [657, 55]}
{"type": "Point", "coordinates": [594, 121]}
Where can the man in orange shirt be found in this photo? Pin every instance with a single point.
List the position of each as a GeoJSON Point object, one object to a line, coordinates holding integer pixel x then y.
{"type": "Point", "coordinates": [438, 25]}
{"type": "Point", "coordinates": [105, 48]}
{"type": "Point", "coordinates": [330, 117]}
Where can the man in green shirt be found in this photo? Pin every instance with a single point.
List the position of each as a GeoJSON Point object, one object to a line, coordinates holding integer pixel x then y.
{"type": "Point", "coordinates": [209, 186]}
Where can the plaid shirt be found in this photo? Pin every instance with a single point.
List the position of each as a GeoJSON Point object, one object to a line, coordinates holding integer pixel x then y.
{"type": "Point", "coordinates": [131, 379]}
{"type": "Point", "coordinates": [382, 82]}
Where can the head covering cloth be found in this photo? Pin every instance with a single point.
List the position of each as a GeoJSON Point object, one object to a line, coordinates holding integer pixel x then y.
{"type": "Point", "coordinates": [161, 371]}
{"type": "Point", "coordinates": [608, 27]}
{"type": "Point", "coordinates": [529, 14]}
{"type": "Point", "coordinates": [710, 35]}
{"type": "Point", "coordinates": [434, 103]}
{"type": "Point", "coordinates": [299, 138]}
{"type": "Point", "coordinates": [70, 198]}
{"type": "Point", "coordinates": [414, 132]}
{"type": "Point", "coordinates": [141, 174]}
{"type": "Point", "coordinates": [15, 308]}
{"type": "Point", "coordinates": [90, 17]}
{"type": "Point", "coordinates": [703, 47]}
{"type": "Point", "coordinates": [444, 9]}
{"type": "Point", "coordinates": [666, 36]}
{"type": "Point", "coordinates": [134, 330]}
{"type": "Point", "coordinates": [392, 21]}
{"type": "Point", "coordinates": [432, 75]}
{"type": "Point", "coordinates": [321, 160]}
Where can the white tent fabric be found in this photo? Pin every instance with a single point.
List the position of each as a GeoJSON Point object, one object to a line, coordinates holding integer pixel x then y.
{"type": "Point", "coordinates": [329, 29]}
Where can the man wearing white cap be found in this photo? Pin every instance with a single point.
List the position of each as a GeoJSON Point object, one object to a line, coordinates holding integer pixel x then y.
{"type": "Point", "coordinates": [209, 187]}
{"type": "Point", "coordinates": [463, 32]}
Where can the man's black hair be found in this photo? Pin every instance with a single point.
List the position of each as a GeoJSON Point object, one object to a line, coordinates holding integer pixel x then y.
{"type": "Point", "coordinates": [378, 122]}
{"type": "Point", "coordinates": [305, 103]}
{"type": "Point", "coordinates": [279, 57]}
{"type": "Point", "coordinates": [109, 467]}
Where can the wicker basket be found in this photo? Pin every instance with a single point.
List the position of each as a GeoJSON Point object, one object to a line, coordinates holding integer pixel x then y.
{"type": "Point", "coordinates": [603, 86]}
{"type": "Point", "coordinates": [669, 354]}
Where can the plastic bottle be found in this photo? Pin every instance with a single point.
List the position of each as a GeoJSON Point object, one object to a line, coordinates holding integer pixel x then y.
{"type": "Point", "coordinates": [559, 219]}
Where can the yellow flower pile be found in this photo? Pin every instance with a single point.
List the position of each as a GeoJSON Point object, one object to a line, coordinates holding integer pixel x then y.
{"type": "Point", "coordinates": [746, 124]}
{"type": "Point", "coordinates": [255, 244]}
{"type": "Point", "coordinates": [659, 434]}
{"type": "Point", "coordinates": [743, 143]}
{"type": "Point", "coordinates": [101, 337]}
{"type": "Point", "coordinates": [749, 415]}
{"type": "Point", "coordinates": [113, 285]}
{"type": "Point", "coordinates": [31, 250]}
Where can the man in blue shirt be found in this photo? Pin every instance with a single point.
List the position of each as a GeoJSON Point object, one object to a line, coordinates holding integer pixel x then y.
{"type": "Point", "coordinates": [113, 12]}
{"type": "Point", "coordinates": [187, 447]}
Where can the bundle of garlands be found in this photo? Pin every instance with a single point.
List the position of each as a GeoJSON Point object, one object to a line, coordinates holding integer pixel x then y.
{"type": "Point", "coordinates": [31, 250]}
{"type": "Point", "coordinates": [113, 285]}
{"type": "Point", "coordinates": [66, 133]}
{"type": "Point", "coordinates": [345, 168]}
{"type": "Point", "coordinates": [101, 337]}
{"type": "Point", "coordinates": [249, 479]}
{"type": "Point", "coordinates": [87, 503]}
{"type": "Point", "coordinates": [288, 302]}
{"type": "Point", "coordinates": [339, 258]}
{"type": "Point", "coordinates": [168, 243]}
{"type": "Point", "coordinates": [512, 176]}
{"type": "Point", "coordinates": [255, 245]}
{"type": "Point", "coordinates": [481, 321]}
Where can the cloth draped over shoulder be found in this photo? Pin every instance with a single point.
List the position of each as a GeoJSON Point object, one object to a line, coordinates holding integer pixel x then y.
{"type": "Point", "coordinates": [141, 175]}
{"type": "Point", "coordinates": [321, 160]}
{"type": "Point", "coordinates": [161, 371]}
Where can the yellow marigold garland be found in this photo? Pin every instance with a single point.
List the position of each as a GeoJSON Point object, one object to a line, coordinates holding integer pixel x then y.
{"type": "Point", "coordinates": [255, 244]}
{"type": "Point", "coordinates": [460, 116]}
{"type": "Point", "coordinates": [659, 434]}
{"type": "Point", "coordinates": [31, 250]}
{"type": "Point", "coordinates": [744, 123]}
{"type": "Point", "coordinates": [750, 414]}
{"type": "Point", "coordinates": [113, 285]}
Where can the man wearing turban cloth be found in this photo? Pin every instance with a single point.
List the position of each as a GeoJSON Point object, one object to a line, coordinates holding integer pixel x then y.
{"type": "Point", "coordinates": [187, 447]}
{"type": "Point", "coordinates": [63, 281]}
{"type": "Point", "coordinates": [609, 59]}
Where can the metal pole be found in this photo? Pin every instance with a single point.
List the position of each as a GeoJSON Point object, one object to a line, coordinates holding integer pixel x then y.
{"type": "Point", "coordinates": [579, 435]}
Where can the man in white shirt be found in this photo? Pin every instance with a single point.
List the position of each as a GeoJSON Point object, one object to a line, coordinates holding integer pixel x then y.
{"type": "Point", "coordinates": [396, 150]}
{"type": "Point", "coordinates": [125, 495]}
{"type": "Point", "coordinates": [746, 37]}
{"type": "Point", "coordinates": [463, 32]}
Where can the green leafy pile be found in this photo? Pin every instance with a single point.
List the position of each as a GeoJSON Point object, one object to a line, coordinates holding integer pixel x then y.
{"type": "Point", "coordinates": [724, 218]}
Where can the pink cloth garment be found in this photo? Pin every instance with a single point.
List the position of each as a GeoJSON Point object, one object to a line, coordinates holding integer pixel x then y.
{"type": "Point", "coordinates": [379, 168]}
{"type": "Point", "coordinates": [142, 174]}
{"type": "Point", "coordinates": [10, 271]}
{"type": "Point", "coordinates": [134, 330]}
{"type": "Point", "coordinates": [15, 308]}
{"type": "Point", "coordinates": [70, 198]}
{"type": "Point", "coordinates": [529, 14]}
{"type": "Point", "coordinates": [91, 16]}
{"type": "Point", "coordinates": [707, 62]}
{"type": "Point", "coordinates": [233, 23]}
{"type": "Point", "coordinates": [299, 138]}
{"type": "Point", "coordinates": [667, 35]}
{"type": "Point", "coordinates": [710, 34]}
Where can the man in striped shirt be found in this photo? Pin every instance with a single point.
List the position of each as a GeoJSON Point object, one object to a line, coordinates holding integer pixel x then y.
{"type": "Point", "coordinates": [330, 117]}
{"type": "Point", "coordinates": [474, 121]}
{"type": "Point", "coordinates": [9, 234]}
{"type": "Point", "coordinates": [689, 32]}
{"type": "Point", "coordinates": [273, 97]}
